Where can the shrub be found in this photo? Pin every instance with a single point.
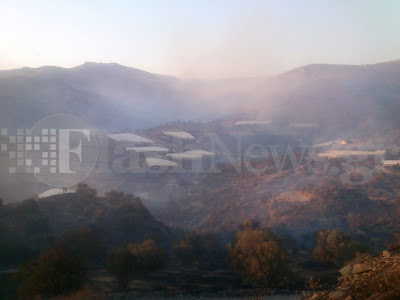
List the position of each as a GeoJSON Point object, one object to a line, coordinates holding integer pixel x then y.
{"type": "Point", "coordinates": [335, 247]}
{"type": "Point", "coordinates": [258, 258]}
{"type": "Point", "coordinates": [134, 260]}
{"type": "Point", "coordinates": [133, 213]}
{"type": "Point", "coordinates": [123, 265]}
{"type": "Point", "coordinates": [358, 258]}
{"type": "Point", "coordinates": [51, 274]}
{"type": "Point", "coordinates": [85, 192]}
{"type": "Point", "coordinates": [189, 248]}
{"type": "Point", "coordinates": [149, 256]}
{"type": "Point", "coordinates": [394, 243]}
{"type": "Point", "coordinates": [250, 224]}
{"type": "Point", "coordinates": [193, 247]}
{"type": "Point", "coordinates": [113, 196]}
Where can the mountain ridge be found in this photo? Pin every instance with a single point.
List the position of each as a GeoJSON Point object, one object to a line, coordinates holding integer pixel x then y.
{"type": "Point", "coordinates": [114, 64]}
{"type": "Point", "coordinates": [115, 97]}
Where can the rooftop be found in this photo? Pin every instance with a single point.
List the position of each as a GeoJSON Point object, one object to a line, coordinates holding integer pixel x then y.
{"type": "Point", "coordinates": [183, 135]}
{"type": "Point", "coordinates": [129, 138]}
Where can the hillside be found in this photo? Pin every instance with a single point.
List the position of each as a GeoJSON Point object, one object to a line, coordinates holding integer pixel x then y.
{"type": "Point", "coordinates": [299, 203]}
{"type": "Point", "coordinates": [30, 226]}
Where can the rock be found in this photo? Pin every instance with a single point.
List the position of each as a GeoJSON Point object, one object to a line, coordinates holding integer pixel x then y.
{"type": "Point", "coordinates": [361, 268]}
{"type": "Point", "coordinates": [313, 297]}
{"type": "Point", "coordinates": [346, 270]}
{"type": "Point", "coordinates": [386, 253]}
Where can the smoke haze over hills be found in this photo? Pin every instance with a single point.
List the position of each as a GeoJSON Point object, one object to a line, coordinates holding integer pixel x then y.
{"type": "Point", "coordinates": [114, 97]}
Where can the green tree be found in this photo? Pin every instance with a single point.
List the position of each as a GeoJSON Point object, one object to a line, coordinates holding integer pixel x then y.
{"type": "Point", "coordinates": [258, 258]}
{"type": "Point", "coordinates": [52, 273]}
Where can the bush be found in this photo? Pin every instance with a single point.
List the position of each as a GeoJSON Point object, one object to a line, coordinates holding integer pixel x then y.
{"type": "Point", "coordinates": [258, 258]}
{"type": "Point", "coordinates": [134, 260]}
{"type": "Point", "coordinates": [193, 247]}
{"type": "Point", "coordinates": [113, 196]}
{"type": "Point", "coordinates": [149, 256]}
{"type": "Point", "coordinates": [394, 243]}
{"type": "Point", "coordinates": [250, 224]}
{"type": "Point", "coordinates": [358, 258]}
{"type": "Point", "coordinates": [189, 248]}
{"type": "Point", "coordinates": [51, 274]}
{"type": "Point", "coordinates": [335, 247]}
{"type": "Point", "coordinates": [85, 192]}
{"type": "Point", "coordinates": [123, 265]}
{"type": "Point", "coordinates": [133, 213]}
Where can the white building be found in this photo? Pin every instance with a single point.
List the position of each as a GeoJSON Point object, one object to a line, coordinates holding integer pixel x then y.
{"type": "Point", "coordinates": [130, 139]}
{"type": "Point", "coordinates": [388, 163]}
{"type": "Point", "coordinates": [183, 135]}
{"type": "Point", "coordinates": [147, 149]}
{"type": "Point", "coordinates": [158, 162]}
{"type": "Point", "coordinates": [53, 192]}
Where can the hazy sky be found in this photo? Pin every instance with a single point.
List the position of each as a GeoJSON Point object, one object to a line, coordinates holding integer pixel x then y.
{"type": "Point", "coordinates": [202, 39]}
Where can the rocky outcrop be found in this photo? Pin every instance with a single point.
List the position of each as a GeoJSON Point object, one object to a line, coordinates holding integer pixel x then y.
{"type": "Point", "coordinates": [374, 278]}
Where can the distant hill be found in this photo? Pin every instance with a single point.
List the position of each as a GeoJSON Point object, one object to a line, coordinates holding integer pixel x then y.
{"type": "Point", "coordinates": [115, 97]}
{"type": "Point", "coordinates": [107, 96]}
{"type": "Point", "coordinates": [342, 99]}
{"type": "Point", "coordinates": [104, 95]}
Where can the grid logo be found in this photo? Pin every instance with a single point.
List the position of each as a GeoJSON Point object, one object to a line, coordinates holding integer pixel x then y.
{"type": "Point", "coordinates": [60, 150]}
